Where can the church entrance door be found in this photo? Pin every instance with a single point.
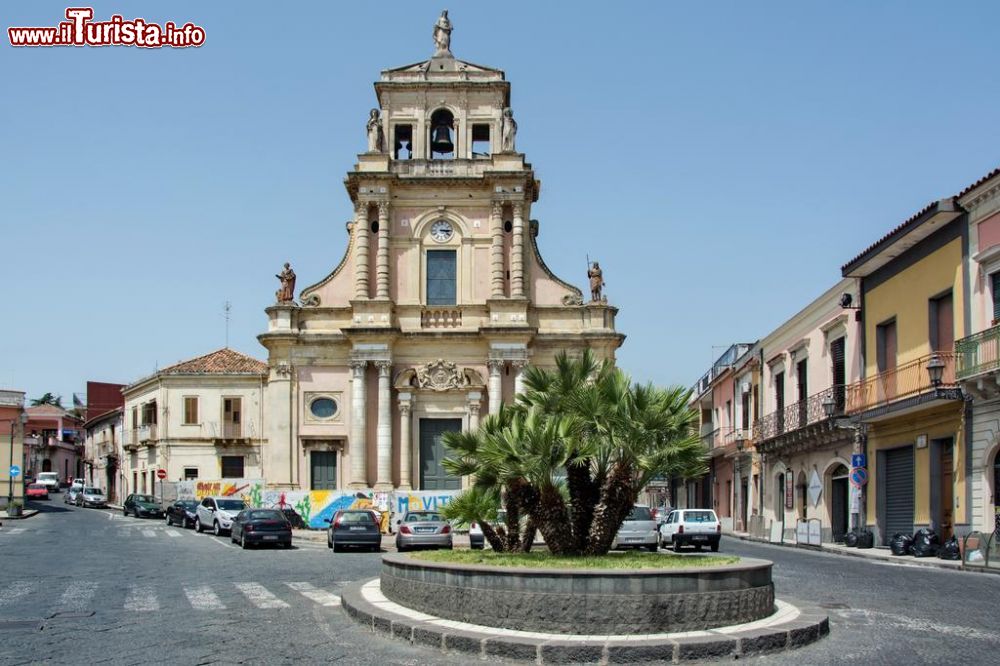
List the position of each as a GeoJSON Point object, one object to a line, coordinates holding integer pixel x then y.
{"type": "Point", "coordinates": [432, 452]}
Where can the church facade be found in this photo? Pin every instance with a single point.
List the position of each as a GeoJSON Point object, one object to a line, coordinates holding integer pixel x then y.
{"type": "Point", "coordinates": [440, 300]}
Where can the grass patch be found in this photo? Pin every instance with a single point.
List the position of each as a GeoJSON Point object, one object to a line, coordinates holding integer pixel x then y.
{"type": "Point", "coordinates": [544, 560]}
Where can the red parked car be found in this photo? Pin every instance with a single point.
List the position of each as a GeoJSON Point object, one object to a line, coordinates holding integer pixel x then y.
{"type": "Point", "coordinates": [37, 491]}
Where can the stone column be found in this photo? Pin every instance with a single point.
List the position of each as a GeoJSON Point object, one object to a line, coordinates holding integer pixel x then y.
{"type": "Point", "coordinates": [357, 443]}
{"type": "Point", "coordinates": [495, 388]}
{"type": "Point", "coordinates": [361, 233]}
{"type": "Point", "coordinates": [474, 399]}
{"type": "Point", "coordinates": [496, 251]}
{"type": "Point", "coordinates": [519, 377]}
{"type": "Point", "coordinates": [405, 441]}
{"type": "Point", "coordinates": [517, 254]}
{"type": "Point", "coordinates": [382, 255]}
{"type": "Point", "coordinates": [383, 478]}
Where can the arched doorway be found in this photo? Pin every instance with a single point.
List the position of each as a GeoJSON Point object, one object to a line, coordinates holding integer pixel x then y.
{"type": "Point", "coordinates": [46, 465]}
{"type": "Point", "coordinates": [803, 488]}
{"type": "Point", "coordinates": [838, 504]}
{"type": "Point", "coordinates": [779, 496]}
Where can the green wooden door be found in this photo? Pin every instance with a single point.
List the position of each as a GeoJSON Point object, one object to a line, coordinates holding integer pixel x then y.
{"type": "Point", "coordinates": [433, 452]}
{"type": "Point", "coordinates": [323, 466]}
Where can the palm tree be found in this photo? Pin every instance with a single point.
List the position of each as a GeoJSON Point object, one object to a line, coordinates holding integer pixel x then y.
{"type": "Point", "coordinates": [571, 457]}
{"type": "Point", "coordinates": [48, 399]}
{"type": "Point", "coordinates": [477, 505]}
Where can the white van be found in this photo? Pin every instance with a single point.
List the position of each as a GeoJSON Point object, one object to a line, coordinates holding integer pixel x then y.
{"type": "Point", "coordinates": [50, 480]}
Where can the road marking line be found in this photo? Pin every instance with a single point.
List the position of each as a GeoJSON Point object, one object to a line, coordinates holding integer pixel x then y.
{"type": "Point", "coordinates": [203, 598]}
{"type": "Point", "coordinates": [259, 595]}
{"type": "Point", "coordinates": [174, 533]}
{"type": "Point", "coordinates": [141, 598]}
{"type": "Point", "coordinates": [77, 596]}
{"type": "Point", "coordinates": [15, 591]}
{"type": "Point", "coordinates": [322, 597]}
{"type": "Point", "coordinates": [14, 530]}
{"type": "Point", "coordinates": [148, 533]}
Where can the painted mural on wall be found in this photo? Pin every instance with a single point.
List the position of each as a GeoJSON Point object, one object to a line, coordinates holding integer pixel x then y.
{"type": "Point", "coordinates": [313, 508]}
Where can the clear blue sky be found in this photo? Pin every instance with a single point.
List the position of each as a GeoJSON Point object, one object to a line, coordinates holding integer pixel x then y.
{"type": "Point", "coordinates": [722, 160]}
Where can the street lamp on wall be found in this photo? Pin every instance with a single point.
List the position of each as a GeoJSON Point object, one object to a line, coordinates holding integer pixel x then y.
{"type": "Point", "coordinates": [935, 369]}
{"type": "Point", "coordinates": [829, 406]}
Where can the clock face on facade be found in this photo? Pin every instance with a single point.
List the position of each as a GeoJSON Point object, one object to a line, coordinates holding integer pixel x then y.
{"type": "Point", "coordinates": [441, 231]}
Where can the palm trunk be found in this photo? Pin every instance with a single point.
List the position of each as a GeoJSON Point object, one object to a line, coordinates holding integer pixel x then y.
{"type": "Point", "coordinates": [490, 534]}
{"type": "Point", "coordinates": [583, 496]}
{"type": "Point", "coordinates": [528, 536]}
{"type": "Point", "coordinates": [617, 498]}
{"type": "Point", "coordinates": [552, 517]}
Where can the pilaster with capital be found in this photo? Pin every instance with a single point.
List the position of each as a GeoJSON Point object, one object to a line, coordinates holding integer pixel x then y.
{"type": "Point", "coordinates": [357, 443]}
{"type": "Point", "coordinates": [382, 252]}
{"type": "Point", "coordinates": [361, 234]}
{"type": "Point", "coordinates": [496, 250]}
{"type": "Point", "coordinates": [383, 477]}
{"type": "Point", "coordinates": [519, 376]}
{"type": "Point", "coordinates": [405, 441]}
{"type": "Point", "coordinates": [517, 254]}
{"type": "Point", "coordinates": [474, 400]}
{"type": "Point", "coordinates": [495, 388]}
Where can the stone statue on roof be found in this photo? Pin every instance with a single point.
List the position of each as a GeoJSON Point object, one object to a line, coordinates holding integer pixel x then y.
{"type": "Point", "coordinates": [596, 276]}
{"type": "Point", "coordinates": [376, 138]}
{"type": "Point", "coordinates": [286, 293]}
{"type": "Point", "coordinates": [442, 35]}
{"type": "Point", "coordinates": [508, 131]}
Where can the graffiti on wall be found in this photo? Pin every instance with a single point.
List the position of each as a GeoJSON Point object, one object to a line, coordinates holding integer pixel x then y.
{"type": "Point", "coordinates": [314, 508]}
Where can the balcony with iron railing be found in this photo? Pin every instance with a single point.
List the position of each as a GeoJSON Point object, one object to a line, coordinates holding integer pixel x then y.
{"type": "Point", "coordinates": [800, 414]}
{"type": "Point", "coordinates": [978, 354]}
{"type": "Point", "coordinates": [928, 376]}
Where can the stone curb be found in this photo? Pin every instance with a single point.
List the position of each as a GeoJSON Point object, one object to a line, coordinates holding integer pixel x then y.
{"type": "Point", "coordinates": [930, 562]}
{"type": "Point", "coordinates": [810, 625]}
{"type": "Point", "coordinates": [24, 514]}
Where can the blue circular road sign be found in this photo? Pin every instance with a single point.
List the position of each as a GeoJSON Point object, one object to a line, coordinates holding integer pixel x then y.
{"type": "Point", "coordinates": [15, 471]}
{"type": "Point", "coordinates": [859, 477]}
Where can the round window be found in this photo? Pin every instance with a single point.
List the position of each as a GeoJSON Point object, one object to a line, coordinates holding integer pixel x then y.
{"type": "Point", "coordinates": [323, 408]}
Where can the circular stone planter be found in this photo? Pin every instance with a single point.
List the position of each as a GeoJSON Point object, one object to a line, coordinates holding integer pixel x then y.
{"type": "Point", "coordinates": [583, 601]}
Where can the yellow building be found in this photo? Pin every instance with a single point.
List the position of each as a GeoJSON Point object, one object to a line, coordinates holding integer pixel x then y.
{"type": "Point", "coordinates": [11, 445]}
{"type": "Point", "coordinates": [914, 304]}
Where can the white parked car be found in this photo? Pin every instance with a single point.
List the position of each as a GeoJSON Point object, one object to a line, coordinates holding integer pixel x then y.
{"type": "Point", "coordinates": [92, 497]}
{"type": "Point", "coordinates": [691, 527]}
{"type": "Point", "coordinates": [638, 530]}
{"type": "Point", "coordinates": [72, 492]}
{"type": "Point", "coordinates": [50, 480]}
{"type": "Point", "coordinates": [217, 513]}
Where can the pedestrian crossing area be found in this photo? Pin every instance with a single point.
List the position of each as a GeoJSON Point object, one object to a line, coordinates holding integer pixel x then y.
{"type": "Point", "coordinates": [79, 596]}
{"type": "Point", "coordinates": [10, 531]}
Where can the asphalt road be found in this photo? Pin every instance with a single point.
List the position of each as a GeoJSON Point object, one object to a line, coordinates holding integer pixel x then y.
{"type": "Point", "coordinates": [90, 586]}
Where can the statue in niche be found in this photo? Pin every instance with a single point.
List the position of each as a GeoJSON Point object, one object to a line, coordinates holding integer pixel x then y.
{"type": "Point", "coordinates": [286, 293]}
{"type": "Point", "coordinates": [376, 139]}
{"type": "Point", "coordinates": [596, 276]}
{"type": "Point", "coordinates": [508, 131]}
{"type": "Point", "coordinates": [442, 35]}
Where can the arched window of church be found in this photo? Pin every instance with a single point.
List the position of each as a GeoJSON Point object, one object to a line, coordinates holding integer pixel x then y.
{"type": "Point", "coordinates": [442, 139]}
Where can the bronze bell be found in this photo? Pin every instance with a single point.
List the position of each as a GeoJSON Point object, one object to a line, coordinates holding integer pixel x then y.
{"type": "Point", "coordinates": [441, 139]}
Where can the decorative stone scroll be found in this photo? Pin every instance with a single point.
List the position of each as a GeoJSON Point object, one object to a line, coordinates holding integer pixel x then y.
{"type": "Point", "coordinates": [441, 375]}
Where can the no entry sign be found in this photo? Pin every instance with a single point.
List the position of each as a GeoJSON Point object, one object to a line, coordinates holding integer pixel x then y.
{"type": "Point", "coordinates": [161, 474]}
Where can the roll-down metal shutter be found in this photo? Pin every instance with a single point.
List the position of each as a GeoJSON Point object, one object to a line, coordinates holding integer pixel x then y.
{"type": "Point", "coordinates": [898, 491]}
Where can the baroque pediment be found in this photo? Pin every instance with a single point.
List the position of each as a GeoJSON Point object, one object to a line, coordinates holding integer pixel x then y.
{"type": "Point", "coordinates": [439, 375]}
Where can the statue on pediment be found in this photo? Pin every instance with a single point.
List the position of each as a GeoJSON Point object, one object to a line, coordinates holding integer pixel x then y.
{"type": "Point", "coordinates": [442, 35]}
{"type": "Point", "coordinates": [286, 292]}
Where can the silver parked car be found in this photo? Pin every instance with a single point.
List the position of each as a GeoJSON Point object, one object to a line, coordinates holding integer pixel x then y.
{"type": "Point", "coordinates": [92, 497]}
{"type": "Point", "coordinates": [638, 530]}
{"type": "Point", "coordinates": [423, 528]}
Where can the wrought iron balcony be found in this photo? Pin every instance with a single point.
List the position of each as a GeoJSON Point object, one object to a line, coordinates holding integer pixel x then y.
{"type": "Point", "coordinates": [978, 354]}
{"type": "Point", "coordinates": [910, 380]}
{"type": "Point", "coordinates": [800, 414]}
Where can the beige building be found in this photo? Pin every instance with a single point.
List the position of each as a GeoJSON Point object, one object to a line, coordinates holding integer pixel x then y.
{"type": "Point", "coordinates": [201, 418]}
{"type": "Point", "coordinates": [102, 453]}
{"type": "Point", "coordinates": [806, 453]}
{"type": "Point", "coordinates": [12, 422]}
{"type": "Point", "coordinates": [439, 302]}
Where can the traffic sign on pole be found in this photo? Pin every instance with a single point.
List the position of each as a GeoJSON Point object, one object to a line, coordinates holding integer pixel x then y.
{"type": "Point", "coordinates": [859, 460]}
{"type": "Point", "coordinates": [15, 471]}
{"type": "Point", "coordinates": [161, 474]}
{"type": "Point", "coordinates": [859, 477]}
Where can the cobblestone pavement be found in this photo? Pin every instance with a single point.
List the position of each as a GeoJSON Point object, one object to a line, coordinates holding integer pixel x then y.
{"type": "Point", "coordinates": [90, 586]}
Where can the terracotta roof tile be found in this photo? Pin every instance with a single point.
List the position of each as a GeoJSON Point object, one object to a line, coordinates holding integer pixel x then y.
{"type": "Point", "coordinates": [979, 182]}
{"type": "Point", "coordinates": [221, 362]}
